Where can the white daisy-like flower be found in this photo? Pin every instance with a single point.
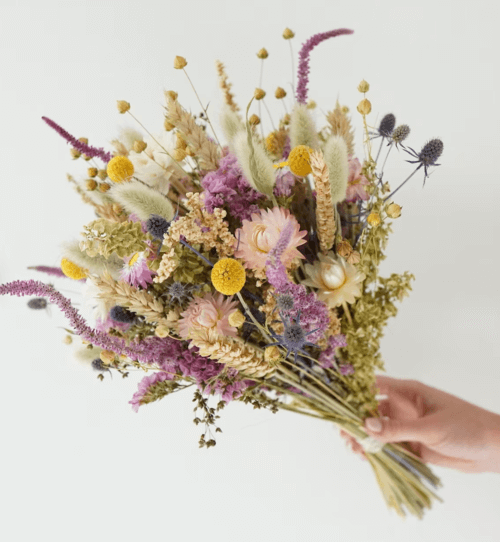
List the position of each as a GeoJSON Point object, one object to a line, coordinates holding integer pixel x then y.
{"type": "Point", "coordinates": [337, 281]}
{"type": "Point", "coordinates": [136, 272]}
{"type": "Point", "coordinates": [92, 302]}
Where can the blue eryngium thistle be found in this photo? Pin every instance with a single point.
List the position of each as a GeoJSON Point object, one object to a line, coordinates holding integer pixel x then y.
{"type": "Point", "coordinates": [427, 157]}
{"type": "Point", "coordinates": [284, 303]}
{"type": "Point", "coordinates": [122, 315]}
{"type": "Point", "coordinates": [387, 125]}
{"type": "Point", "coordinates": [399, 134]}
{"type": "Point", "coordinates": [37, 303]}
{"type": "Point", "coordinates": [294, 338]}
{"type": "Point", "coordinates": [157, 227]}
{"type": "Point", "coordinates": [181, 292]}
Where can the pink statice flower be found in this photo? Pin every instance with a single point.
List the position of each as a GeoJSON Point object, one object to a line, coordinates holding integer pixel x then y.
{"type": "Point", "coordinates": [284, 183]}
{"type": "Point", "coordinates": [146, 385]}
{"type": "Point", "coordinates": [259, 236]}
{"type": "Point", "coordinates": [208, 313]}
{"type": "Point", "coordinates": [136, 272]}
{"type": "Point", "coordinates": [356, 182]}
{"type": "Point", "coordinates": [334, 342]}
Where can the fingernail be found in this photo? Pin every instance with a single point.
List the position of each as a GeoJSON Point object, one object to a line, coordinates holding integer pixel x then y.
{"type": "Point", "coordinates": [373, 424]}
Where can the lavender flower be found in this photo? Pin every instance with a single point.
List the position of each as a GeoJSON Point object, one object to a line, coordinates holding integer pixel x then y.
{"type": "Point", "coordinates": [93, 152]}
{"type": "Point", "coordinates": [307, 47]}
{"type": "Point", "coordinates": [227, 187]}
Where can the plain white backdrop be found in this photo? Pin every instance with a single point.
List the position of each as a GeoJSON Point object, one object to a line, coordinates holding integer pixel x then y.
{"type": "Point", "coordinates": [76, 462]}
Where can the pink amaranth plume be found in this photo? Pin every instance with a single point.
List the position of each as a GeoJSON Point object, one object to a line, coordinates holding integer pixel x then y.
{"type": "Point", "coordinates": [307, 47]}
{"type": "Point", "coordinates": [93, 152]}
{"type": "Point", "coordinates": [56, 271]}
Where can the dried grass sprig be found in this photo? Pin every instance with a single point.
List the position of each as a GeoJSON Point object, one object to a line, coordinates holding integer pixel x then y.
{"type": "Point", "coordinates": [204, 149]}
{"type": "Point", "coordinates": [336, 159]}
{"type": "Point", "coordinates": [226, 87]}
{"type": "Point", "coordinates": [325, 211]}
{"type": "Point", "coordinates": [97, 265]}
{"type": "Point", "coordinates": [231, 125]}
{"type": "Point", "coordinates": [341, 125]}
{"type": "Point", "coordinates": [139, 301]}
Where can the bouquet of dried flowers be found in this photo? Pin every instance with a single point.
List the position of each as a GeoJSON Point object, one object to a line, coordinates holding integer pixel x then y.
{"type": "Point", "coordinates": [245, 267]}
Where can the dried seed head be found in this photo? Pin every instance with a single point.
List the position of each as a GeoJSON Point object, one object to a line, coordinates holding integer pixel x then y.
{"type": "Point", "coordinates": [68, 339]}
{"type": "Point", "coordinates": [157, 226]}
{"type": "Point", "coordinates": [286, 119]}
{"type": "Point", "coordinates": [288, 34]}
{"type": "Point", "coordinates": [344, 248]}
{"type": "Point", "coordinates": [254, 120]}
{"type": "Point", "coordinates": [90, 184]}
{"type": "Point", "coordinates": [400, 133]}
{"type": "Point", "coordinates": [387, 125]}
{"type": "Point", "coordinates": [180, 142]}
{"type": "Point", "coordinates": [311, 105]}
{"type": "Point", "coordinates": [180, 62]}
{"type": "Point", "coordinates": [285, 302]}
{"type": "Point", "coordinates": [373, 219]}
{"type": "Point", "coordinates": [171, 94]}
{"type": "Point", "coordinates": [179, 155]}
{"type": "Point", "coordinates": [104, 187]}
{"type": "Point", "coordinates": [393, 210]}
{"type": "Point", "coordinates": [139, 146]}
{"type": "Point", "coordinates": [84, 140]}
{"type": "Point", "coordinates": [92, 171]}
{"type": "Point", "coordinates": [161, 331]}
{"type": "Point", "coordinates": [365, 107]}
{"type": "Point", "coordinates": [280, 93]}
{"type": "Point", "coordinates": [259, 94]}
{"type": "Point", "coordinates": [122, 106]}
{"type": "Point", "coordinates": [168, 125]}
{"type": "Point", "coordinates": [263, 53]}
{"type": "Point", "coordinates": [236, 318]}
{"type": "Point", "coordinates": [121, 314]}
{"type": "Point", "coordinates": [75, 154]}
{"type": "Point", "coordinates": [272, 354]}
{"type": "Point", "coordinates": [117, 208]}
{"type": "Point", "coordinates": [364, 86]}
{"type": "Point", "coordinates": [107, 357]}
{"type": "Point", "coordinates": [431, 151]}
{"type": "Point", "coordinates": [102, 174]}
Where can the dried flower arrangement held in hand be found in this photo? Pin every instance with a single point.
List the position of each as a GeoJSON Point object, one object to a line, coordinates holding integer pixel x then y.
{"type": "Point", "coordinates": [245, 266]}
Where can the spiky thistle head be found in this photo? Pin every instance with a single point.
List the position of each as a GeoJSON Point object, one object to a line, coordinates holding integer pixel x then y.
{"type": "Point", "coordinates": [431, 151]}
{"type": "Point", "coordinates": [122, 315]}
{"type": "Point", "coordinates": [400, 133]}
{"type": "Point", "coordinates": [157, 226]}
{"type": "Point", "coordinates": [284, 302]}
{"type": "Point", "coordinates": [387, 125]}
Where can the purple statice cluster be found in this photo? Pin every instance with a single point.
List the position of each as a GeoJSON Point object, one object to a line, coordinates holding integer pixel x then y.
{"type": "Point", "coordinates": [313, 313]}
{"type": "Point", "coordinates": [284, 184]}
{"type": "Point", "coordinates": [326, 357]}
{"type": "Point", "coordinates": [228, 188]}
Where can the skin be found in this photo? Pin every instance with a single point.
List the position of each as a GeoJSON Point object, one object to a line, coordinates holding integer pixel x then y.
{"type": "Point", "coordinates": [441, 429]}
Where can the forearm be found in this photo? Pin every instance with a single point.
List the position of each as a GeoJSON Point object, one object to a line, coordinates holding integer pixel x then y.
{"type": "Point", "coordinates": [493, 439]}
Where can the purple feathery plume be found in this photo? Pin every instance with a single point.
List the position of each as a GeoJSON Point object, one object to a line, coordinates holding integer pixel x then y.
{"type": "Point", "coordinates": [56, 271]}
{"type": "Point", "coordinates": [93, 152]}
{"type": "Point", "coordinates": [307, 47]}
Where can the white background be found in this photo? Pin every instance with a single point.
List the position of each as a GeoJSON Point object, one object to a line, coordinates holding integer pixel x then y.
{"type": "Point", "coordinates": [76, 462]}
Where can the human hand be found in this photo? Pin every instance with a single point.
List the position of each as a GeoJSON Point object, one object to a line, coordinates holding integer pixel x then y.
{"type": "Point", "coordinates": [441, 429]}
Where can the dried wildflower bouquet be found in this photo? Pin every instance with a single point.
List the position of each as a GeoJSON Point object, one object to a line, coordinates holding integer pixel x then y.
{"type": "Point", "coordinates": [245, 267]}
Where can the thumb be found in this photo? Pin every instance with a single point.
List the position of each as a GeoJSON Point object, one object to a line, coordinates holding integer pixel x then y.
{"type": "Point", "coordinates": [392, 430]}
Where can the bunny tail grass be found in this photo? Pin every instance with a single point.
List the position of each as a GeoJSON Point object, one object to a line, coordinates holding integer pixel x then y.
{"type": "Point", "coordinates": [338, 167]}
{"type": "Point", "coordinates": [302, 128]}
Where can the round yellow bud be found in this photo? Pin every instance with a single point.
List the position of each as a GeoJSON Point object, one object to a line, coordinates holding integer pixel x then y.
{"type": "Point", "coordinates": [119, 169]}
{"type": "Point", "coordinates": [180, 62]}
{"type": "Point", "coordinates": [84, 140]}
{"type": "Point", "coordinates": [102, 174]}
{"type": "Point", "coordinates": [263, 53]}
{"type": "Point", "coordinates": [286, 119]}
{"type": "Point", "coordinates": [68, 339]}
{"type": "Point", "coordinates": [139, 146]}
{"type": "Point", "coordinates": [393, 210]}
{"type": "Point", "coordinates": [107, 357]}
{"type": "Point", "coordinates": [373, 219]}
{"type": "Point", "coordinates": [288, 34]}
{"type": "Point", "coordinates": [280, 93]}
{"type": "Point", "coordinates": [228, 276]}
{"type": "Point", "coordinates": [364, 86]}
{"type": "Point", "coordinates": [298, 160]}
{"type": "Point", "coordinates": [168, 125]}
{"type": "Point", "coordinates": [75, 154]}
{"type": "Point", "coordinates": [272, 354]}
{"type": "Point", "coordinates": [236, 318]}
{"type": "Point", "coordinates": [90, 184]}
{"type": "Point", "coordinates": [311, 105]}
{"type": "Point", "coordinates": [254, 120]}
{"type": "Point", "coordinates": [92, 171]}
{"type": "Point", "coordinates": [364, 107]}
{"type": "Point", "coordinates": [122, 106]}
{"type": "Point", "coordinates": [179, 154]}
{"type": "Point", "coordinates": [72, 270]}
{"type": "Point", "coordinates": [259, 94]}
{"type": "Point", "coordinates": [104, 187]}
{"type": "Point", "coordinates": [161, 331]}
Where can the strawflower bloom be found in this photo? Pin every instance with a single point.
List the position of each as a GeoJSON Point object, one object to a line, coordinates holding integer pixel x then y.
{"type": "Point", "coordinates": [136, 271]}
{"type": "Point", "coordinates": [208, 313]}
{"type": "Point", "coordinates": [337, 281]}
{"type": "Point", "coordinates": [260, 234]}
{"type": "Point", "coordinates": [356, 182]}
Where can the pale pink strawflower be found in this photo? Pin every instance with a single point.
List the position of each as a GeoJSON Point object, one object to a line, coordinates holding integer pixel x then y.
{"type": "Point", "coordinates": [258, 236]}
{"type": "Point", "coordinates": [208, 313]}
{"type": "Point", "coordinates": [136, 272]}
{"type": "Point", "coordinates": [356, 182]}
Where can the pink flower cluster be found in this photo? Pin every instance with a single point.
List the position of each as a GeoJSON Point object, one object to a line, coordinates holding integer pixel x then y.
{"type": "Point", "coordinates": [228, 188]}
{"type": "Point", "coordinates": [356, 182]}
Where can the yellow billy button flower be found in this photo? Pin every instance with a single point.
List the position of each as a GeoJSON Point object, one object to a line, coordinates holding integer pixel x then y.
{"type": "Point", "coordinates": [236, 318]}
{"type": "Point", "coordinates": [298, 160]}
{"type": "Point", "coordinates": [393, 210]}
{"type": "Point", "coordinates": [119, 169]}
{"type": "Point", "coordinates": [373, 219]}
{"type": "Point", "coordinates": [228, 276]}
{"type": "Point", "coordinates": [72, 270]}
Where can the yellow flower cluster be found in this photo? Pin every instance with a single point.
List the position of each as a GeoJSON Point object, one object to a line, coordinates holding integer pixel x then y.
{"type": "Point", "coordinates": [298, 160]}
{"type": "Point", "coordinates": [120, 169]}
{"type": "Point", "coordinates": [228, 276]}
{"type": "Point", "coordinates": [72, 270]}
